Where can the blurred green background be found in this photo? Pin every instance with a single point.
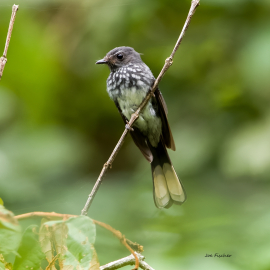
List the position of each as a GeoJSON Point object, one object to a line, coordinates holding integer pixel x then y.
{"type": "Point", "coordinates": [58, 125]}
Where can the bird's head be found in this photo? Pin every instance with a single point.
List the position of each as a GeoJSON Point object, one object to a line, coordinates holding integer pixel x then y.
{"type": "Point", "coordinates": [119, 57]}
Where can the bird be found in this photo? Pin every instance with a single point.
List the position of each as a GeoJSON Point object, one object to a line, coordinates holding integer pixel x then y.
{"type": "Point", "coordinates": [129, 82]}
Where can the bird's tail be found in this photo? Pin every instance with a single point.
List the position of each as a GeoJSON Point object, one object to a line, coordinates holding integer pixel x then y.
{"type": "Point", "coordinates": [167, 187]}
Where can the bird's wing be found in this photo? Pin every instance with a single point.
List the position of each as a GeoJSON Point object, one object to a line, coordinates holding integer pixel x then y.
{"type": "Point", "coordinates": [137, 137]}
{"type": "Point", "coordinates": [166, 131]}
{"type": "Point", "coordinates": [140, 141]}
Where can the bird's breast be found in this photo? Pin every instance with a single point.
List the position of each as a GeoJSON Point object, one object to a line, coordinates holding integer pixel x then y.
{"type": "Point", "coordinates": [129, 99]}
{"type": "Point", "coordinates": [149, 122]}
{"type": "Point", "coordinates": [128, 86]}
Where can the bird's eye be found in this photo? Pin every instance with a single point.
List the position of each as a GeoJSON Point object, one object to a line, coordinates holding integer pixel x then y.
{"type": "Point", "coordinates": [120, 56]}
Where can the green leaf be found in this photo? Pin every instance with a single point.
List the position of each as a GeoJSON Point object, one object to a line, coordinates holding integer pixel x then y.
{"type": "Point", "coordinates": [80, 240]}
{"type": "Point", "coordinates": [73, 240]}
{"type": "Point", "coordinates": [3, 264]}
{"type": "Point", "coordinates": [1, 201]}
{"type": "Point", "coordinates": [10, 232]}
{"type": "Point", "coordinates": [52, 239]}
{"type": "Point", "coordinates": [30, 251]}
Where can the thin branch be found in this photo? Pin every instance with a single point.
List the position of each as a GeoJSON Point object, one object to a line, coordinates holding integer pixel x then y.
{"type": "Point", "coordinates": [3, 59]}
{"type": "Point", "coordinates": [134, 116]}
{"type": "Point", "coordinates": [122, 239]}
{"type": "Point", "coordinates": [49, 267]}
{"type": "Point", "coordinates": [129, 260]}
{"type": "Point", "coordinates": [127, 243]}
{"type": "Point", "coordinates": [45, 215]}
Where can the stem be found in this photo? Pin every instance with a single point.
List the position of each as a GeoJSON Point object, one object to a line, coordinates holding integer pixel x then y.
{"type": "Point", "coordinates": [3, 59]}
{"type": "Point", "coordinates": [127, 243]}
{"type": "Point", "coordinates": [129, 260]}
{"type": "Point", "coordinates": [134, 116]}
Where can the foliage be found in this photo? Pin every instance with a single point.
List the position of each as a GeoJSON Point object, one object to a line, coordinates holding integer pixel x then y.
{"type": "Point", "coordinates": [65, 244]}
{"type": "Point", "coordinates": [29, 252]}
{"type": "Point", "coordinates": [10, 232]}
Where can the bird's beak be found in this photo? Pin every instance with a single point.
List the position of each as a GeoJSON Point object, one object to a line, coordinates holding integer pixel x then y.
{"type": "Point", "coordinates": [102, 61]}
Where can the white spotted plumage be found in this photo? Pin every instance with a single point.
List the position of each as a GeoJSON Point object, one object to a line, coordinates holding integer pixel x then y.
{"type": "Point", "coordinates": [129, 91]}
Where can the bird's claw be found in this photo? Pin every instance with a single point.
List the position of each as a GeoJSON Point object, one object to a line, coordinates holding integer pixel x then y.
{"type": "Point", "coordinates": [128, 127]}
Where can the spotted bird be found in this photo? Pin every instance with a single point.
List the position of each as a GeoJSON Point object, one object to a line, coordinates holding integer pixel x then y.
{"type": "Point", "coordinates": [129, 82]}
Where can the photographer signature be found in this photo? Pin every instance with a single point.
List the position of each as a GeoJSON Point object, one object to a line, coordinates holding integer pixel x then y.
{"type": "Point", "coordinates": [218, 255]}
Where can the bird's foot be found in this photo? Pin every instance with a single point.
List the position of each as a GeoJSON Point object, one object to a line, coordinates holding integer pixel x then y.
{"type": "Point", "coordinates": [128, 127]}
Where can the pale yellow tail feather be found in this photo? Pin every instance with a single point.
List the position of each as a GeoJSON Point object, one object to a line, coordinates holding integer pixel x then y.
{"type": "Point", "coordinates": [175, 188]}
{"type": "Point", "coordinates": [167, 186]}
{"type": "Point", "coordinates": [161, 193]}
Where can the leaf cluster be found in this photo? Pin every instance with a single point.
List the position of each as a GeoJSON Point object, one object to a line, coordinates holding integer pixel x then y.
{"type": "Point", "coordinates": [55, 244]}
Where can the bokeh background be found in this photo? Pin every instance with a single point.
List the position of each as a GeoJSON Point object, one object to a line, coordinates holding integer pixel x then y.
{"type": "Point", "coordinates": [58, 125]}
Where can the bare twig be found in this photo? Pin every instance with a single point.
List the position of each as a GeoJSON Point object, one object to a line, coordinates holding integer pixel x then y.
{"type": "Point", "coordinates": [45, 215]}
{"type": "Point", "coordinates": [134, 116]}
{"type": "Point", "coordinates": [3, 59]}
{"type": "Point", "coordinates": [129, 260]}
{"type": "Point", "coordinates": [122, 239]}
{"type": "Point", "coordinates": [49, 267]}
{"type": "Point", "coordinates": [127, 243]}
